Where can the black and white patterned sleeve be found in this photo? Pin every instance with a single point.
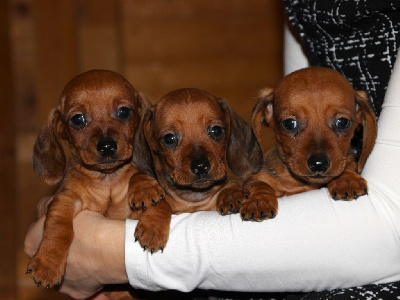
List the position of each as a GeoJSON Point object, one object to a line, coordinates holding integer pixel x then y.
{"type": "Point", "coordinates": [360, 39]}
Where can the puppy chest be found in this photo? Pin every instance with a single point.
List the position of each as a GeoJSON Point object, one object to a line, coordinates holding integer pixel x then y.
{"type": "Point", "coordinates": [107, 196]}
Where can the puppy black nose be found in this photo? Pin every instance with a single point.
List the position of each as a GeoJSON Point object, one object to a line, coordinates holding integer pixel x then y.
{"type": "Point", "coordinates": [318, 163]}
{"type": "Point", "coordinates": [106, 148]}
{"type": "Point", "coordinates": [200, 166]}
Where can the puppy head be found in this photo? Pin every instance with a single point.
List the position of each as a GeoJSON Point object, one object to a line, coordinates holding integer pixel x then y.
{"type": "Point", "coordinates": [192, 136]}
{"type": "Point", "coordinates": [97, 114]}
{"type": "Point", "coordinates": [314, 113]}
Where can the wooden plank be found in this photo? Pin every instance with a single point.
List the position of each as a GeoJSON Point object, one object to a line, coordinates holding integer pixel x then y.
{"type": "Point", "coordinates": [177, 43]}
{"type": "Point", "coordinates": [97, 35]}
{"type": "Point", "coordinates": [43, 60]}
{"type": "Point", "coordinates": [56, 55]}
{"type": "Point", "coordinates": [23, 63]}
{"type": "Point", "coordinates": [7, 166]}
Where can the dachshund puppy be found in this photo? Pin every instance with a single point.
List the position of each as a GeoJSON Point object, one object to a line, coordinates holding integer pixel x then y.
{"type": "Point", "coordinates": [314, 113]}
{"type": "Point", "coordinates": [97, 116]}
{"type": "Point", "coordinates": [190, 141]}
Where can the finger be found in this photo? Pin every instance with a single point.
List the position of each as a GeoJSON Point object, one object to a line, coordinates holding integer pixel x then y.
{"type": "Point", "coordinates": [33, 237]}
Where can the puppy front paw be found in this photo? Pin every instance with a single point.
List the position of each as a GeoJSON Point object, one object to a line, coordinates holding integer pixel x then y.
{"type": "Point", "coordinates": [151, 238]}
{"type": "Point", "coordinates": [348, 186]}
{"type": "Point", "coordinates": [261, 202]}
{"type": "Point", "coordinates": [144, 192]}
{"type": "Point", "coordinates": [152, 230]}
{"type": "Point", "coordinates": [45, 271]}
{"type": "Point", "coordinates": [259, 207]}
{"type": "Point", "coordinates": [229, 200]}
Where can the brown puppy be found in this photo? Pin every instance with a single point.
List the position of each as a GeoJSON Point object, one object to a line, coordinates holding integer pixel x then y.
{"type": "Point", "coordinates": [314, 113]}
{"type": "Point", "coordinates": [194, 139]}
{"type": "Point", "coordinates": [97, 115]}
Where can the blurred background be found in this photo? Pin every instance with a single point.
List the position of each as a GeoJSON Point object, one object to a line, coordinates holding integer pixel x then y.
{"type": "Point", "coordinates": [229, 48]}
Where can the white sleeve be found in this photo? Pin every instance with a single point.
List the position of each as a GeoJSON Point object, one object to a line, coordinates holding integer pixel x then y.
{"type": "Point", "coordinates": [294, 55]}
{"type": "Point", "coordinates": [314, 244]}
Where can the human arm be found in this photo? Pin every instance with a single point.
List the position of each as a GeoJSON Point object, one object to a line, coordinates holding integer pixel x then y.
{"type": "Point", "coordinates": [313, 244]}
{"type": "Point", "coordinates": [96, 256]}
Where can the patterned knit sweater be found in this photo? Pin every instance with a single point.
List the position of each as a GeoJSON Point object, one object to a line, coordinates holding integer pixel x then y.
{"type": "Point", "coordinates": [358, 38]}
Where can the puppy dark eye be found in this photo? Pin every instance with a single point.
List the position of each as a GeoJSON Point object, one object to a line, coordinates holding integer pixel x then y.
{"type": "Point", "coordinates": [289, 124]}
{"type": "Point", "coordinates": [170, 140]}
{"type": "Point", "coordinates": [342, 123]}
{"type": "Point", "coordinates": [215, 132]}
{"type": "Point", "coordinates": [78, 121]}
{"type": "Point", "coordinates": [124, 113]}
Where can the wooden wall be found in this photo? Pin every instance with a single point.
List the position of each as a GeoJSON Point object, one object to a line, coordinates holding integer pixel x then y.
{"type": "Point", "coordinates": [8, 240]}
{"type": "Point", "coordinates": [230, 48]}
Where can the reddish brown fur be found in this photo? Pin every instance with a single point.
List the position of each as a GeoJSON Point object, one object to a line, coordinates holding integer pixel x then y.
{"type": "Point", "coordinates": [102, 183]}
{"type": "Point", "coordinates": [316, 98]}
{"type": "Point", "coordinates": [189, 114]}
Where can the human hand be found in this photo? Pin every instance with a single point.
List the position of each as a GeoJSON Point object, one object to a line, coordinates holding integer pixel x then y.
{"type": "Point", "coordinates": [96, 255]}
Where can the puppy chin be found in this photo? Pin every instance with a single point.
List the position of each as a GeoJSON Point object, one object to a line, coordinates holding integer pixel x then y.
{"type": "Point", "coordinates": [202, 185]}
{"type": "Point", "coordinates": [107, 165]}
{"type": "Point", "coordinates": [198, 185]}
{"type": "Point", "coordinates": [318, 179]}
{"type": "Point", "coordinates": [321, 178]}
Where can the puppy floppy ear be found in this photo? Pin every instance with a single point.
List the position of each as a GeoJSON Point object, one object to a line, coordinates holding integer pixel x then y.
{"type": "Point", "coordinates": [262, 112]}
{"type": "Point", "coordinates": [366, 115]}
{"type": "Point", "coordinates": [48, 155]}
{"type": "Point", "coordinates": [143, 102]}
{"type": "Point", "coordinates": [141, 151]}
{"type": "Point", "coordinates": [244, 154]}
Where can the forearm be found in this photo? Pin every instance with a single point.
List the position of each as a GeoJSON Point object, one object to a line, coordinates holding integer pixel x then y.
{"type": "Point", "coordinates": [314, 244]}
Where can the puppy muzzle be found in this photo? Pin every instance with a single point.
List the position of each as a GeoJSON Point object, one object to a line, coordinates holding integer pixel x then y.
{"type": "Point", "coordinates": [318, 167]}
{"type": "Point", "coordinates": [108, 159]}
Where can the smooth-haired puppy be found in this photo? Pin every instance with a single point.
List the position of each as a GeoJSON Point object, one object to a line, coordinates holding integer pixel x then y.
{"type": "Point", "coordinates": [96, 117]}
{"type": "Point", "coordinates": [315, 113]}
{"type": "Point", "coordinates": [191, 140]}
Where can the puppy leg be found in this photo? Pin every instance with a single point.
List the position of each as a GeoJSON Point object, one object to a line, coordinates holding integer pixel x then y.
{"type": "Point", "coordinates": [230, 199]}
{"type": "Point", "coordinates": [152, 231]}
{"type": "Point", "coordinates": [261, 202]}
{"type": "Point", "coordinates": [348, 186]}
{"type": "Point", "coordinates": [48, 264]}
{"type": "Point", "coordinates": [144, 191]}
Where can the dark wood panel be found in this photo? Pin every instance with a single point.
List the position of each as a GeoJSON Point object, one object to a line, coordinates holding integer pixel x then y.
{"type": "Point", "coordinates": [7, 166]}
{"type": "Point", "coordinates": [43, 60]}
{"type": "Point", "coordinates": [55, 51]}
{"type": "Point", "coordinates": [97, 27]}
{"type": "Point", "coordinates": [192, 43]}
